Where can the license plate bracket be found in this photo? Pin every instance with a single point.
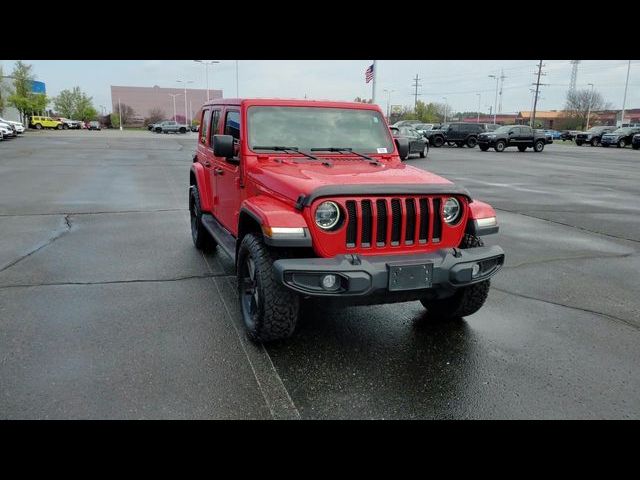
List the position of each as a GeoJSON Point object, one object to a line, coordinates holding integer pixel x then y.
{"type": "Point", "coordinates": [410, 276]}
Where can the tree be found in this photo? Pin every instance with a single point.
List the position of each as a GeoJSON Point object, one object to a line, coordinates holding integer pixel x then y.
{"type": "Point", "coordinates": [155, 115]}
{"type": "Point", "coordinates": [4, 92]}
{"type": "Point", "coordinates": [125, 113]}
{"type": "Point", "coordinates": [579, 104]}
{"type": "Point", "coordinates": [64, 103]}
{"type": "Point", "coordinates": [23, 99]}
{"type": "Point", "coordinates": [75, 104]}
{"type": "Point", "coordinates": [115, 120]}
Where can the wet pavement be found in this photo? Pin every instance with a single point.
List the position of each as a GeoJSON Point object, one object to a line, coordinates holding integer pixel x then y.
{"type": "Point", "coordinates": [108, 311]}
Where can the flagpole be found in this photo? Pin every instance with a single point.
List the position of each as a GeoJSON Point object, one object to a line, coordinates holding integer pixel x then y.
{"type": "Point", "coordinates": [373, 87]}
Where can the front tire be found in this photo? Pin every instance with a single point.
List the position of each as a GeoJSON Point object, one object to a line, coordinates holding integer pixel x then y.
{"type": "Point", "coordinates": [424, 152]}
{"type": "Point", "coordinates": [183, 130]}
{"type": "Point", "coordinates": [595, 142]}
{"type": "Point", "coordinates": [201, 237]}
{"type": "Point", "coordinates": [269, 309]}
{"type": "Point", "coordinates": [500, 146]}
{"type": "Point", "coordinates": [467, 300]}
{"type": "Point", "coordinates": [538, 146]}
{"type": "Point", "coordinates": [472, 142]}
{"type": "Point", "coordinates": [38, 126]}
{"type": "Point", "coordinates": [438, 141]}
{"type": "Point", "coordinates": [622, 143]}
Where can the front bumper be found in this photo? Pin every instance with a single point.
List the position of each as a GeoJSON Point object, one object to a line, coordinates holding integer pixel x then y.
{"type": "Point", "coordinates": [359, 276]}
{"type": "Point", "coordinates": [608, 141]}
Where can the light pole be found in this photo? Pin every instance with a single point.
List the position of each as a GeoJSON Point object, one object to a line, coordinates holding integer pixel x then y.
{"type": "Point", "coordinates": [388, 92]}
{"type": "Point", "coordinates": [624, 100]}
{"type": "Point", "coordinates": [590, 102]}
{"type": "Point", "coordinates": [206, 70]}
{"type": "Point", "coordinates": [479, 97]}
{"type": "Point", "coordinates": [496, 103]}
{"type": "Point", "coordinates": [174, 95]}
{"type": "Point", "coordinates": [446, 107]}
{"type": "Point", "coordinates": [185, 97]}
{"type": "Point", "coordinates": [120, 113]}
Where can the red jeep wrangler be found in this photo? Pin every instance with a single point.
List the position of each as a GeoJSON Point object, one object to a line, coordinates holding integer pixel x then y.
{"type": "Point", "coordinates": [311, 199]}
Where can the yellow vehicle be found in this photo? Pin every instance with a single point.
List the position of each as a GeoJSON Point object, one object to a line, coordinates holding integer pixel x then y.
{"type": "Point", "coordinates": [45, 122]}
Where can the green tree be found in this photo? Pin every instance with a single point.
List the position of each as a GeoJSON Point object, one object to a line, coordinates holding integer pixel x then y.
{"type": "Point", "coordinates": [75, 104]}
{"type": "Point", "coordinates": [115, 120]}
{"type": "Point", "coordinates": [64, 103]}
{"type": "Point", "coordinates": [22, 98]}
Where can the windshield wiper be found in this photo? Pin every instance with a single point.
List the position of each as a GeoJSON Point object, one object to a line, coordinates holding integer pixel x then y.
{"type": "Point", "coordinates": [279, 148]}
{"type": "Point", "coordinates": [346, 149]}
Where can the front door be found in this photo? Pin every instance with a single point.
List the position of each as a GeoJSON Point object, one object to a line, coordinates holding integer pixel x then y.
{"type": "Point", "coordinates": [227, 175]}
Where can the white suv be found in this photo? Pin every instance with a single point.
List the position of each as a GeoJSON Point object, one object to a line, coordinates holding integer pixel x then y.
{"type": "Point", "coordinates": [19, 127]}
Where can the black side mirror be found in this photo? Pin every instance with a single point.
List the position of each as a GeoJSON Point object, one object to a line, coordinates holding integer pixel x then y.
{"type": "Point", "coordinates": [403, 147]}
{"type": "Point", "coordinates": [223, 146]}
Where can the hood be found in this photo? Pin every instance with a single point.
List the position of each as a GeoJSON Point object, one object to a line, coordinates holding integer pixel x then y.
{"type": "Point", "coordinates": [292, 179]}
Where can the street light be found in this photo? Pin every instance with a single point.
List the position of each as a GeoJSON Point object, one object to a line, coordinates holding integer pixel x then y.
{"type": "Point", "coordinates": [496, 104]}
{"type": "Point", "coordinates": [479, 97]}
{"type": "Point", "coordinates": [206, 69]}
{"type": "Point", "coordinates": [388, 92]}
{"type": "Point", "coordinates": [185, 99]}
{"type": "Point", "coordinates": [120, 114]}
{"type": "Point", "coordinates": [590, 102]}
{"type": "Point", "coordinates": [174, 95]}
{"type": "Point", "coordinates": [446, 107]}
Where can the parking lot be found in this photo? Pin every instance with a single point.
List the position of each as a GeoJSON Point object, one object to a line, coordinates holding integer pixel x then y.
{"type": "Point", "coordinates": [108, 311]}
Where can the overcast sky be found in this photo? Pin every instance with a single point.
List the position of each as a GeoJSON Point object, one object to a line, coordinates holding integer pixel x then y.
{"type": "Point", "coordinates": [458, 80]}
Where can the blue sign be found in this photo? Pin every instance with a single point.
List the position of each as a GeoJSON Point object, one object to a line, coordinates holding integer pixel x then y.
{"type": "Point", "coordinates": [38, 87]}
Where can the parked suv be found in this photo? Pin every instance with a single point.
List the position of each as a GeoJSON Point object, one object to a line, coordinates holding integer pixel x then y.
{"type": "Point", "coordinates": [417, 142]}
{"type": "Point", "coordinates": [593, 136]}
{"type": "Point", "coordinates": [19, 127]}
{"type": "Point", "coordinates": [311, 200]}
{"type": "Point", "coordinates": [44, 122]}
{"type": "Point", "coordinates": [459, 134]}
{"type": "Point", "coordinates": [635, 141]}
{"type": "Point", "coordinates": [620, 137]}
{"type": "Point", "coordinates": [170, 126]}
{"type": "Point", "coordinates": [521, 136]}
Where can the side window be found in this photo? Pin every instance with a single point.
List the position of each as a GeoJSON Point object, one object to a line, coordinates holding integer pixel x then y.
{"type": "Point", "coordinates": [215, 121]}
{"type": "Point", "coordinates": [232, 124]}
{"type": "Point", "coordinates": [204, 126]}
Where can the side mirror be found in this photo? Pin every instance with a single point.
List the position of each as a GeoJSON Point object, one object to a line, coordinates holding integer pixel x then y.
{"type": "Point", "coordinates": [223, 146]}
{"type": "Point", "coordinates": [403, 147]}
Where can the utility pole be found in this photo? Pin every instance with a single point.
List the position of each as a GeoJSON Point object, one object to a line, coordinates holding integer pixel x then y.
{"type": "Point", "coordinates": [373, 86]}
{"type": "Point", "coordinates": [479, 97]}
{"type": "Point", "coordinates": [574, 75]}
{"type": "Point", "coordinates": [416, 94]}
{"type": "Point", "coordinates": [624, 100]}
{"type": "Point", "coordinates": [496, 101]}
{"type": "Point", "coordinates": [535, 102]}
{"type": "Point", "coordinates": [120, 114]}
{"type": "Point", "coordinates": [502, 77]}
{"type": "Point", "coordinates": [590, 102]}
{"type": "Point", "coordinates": [446, 108]}
{"type": "Point", "coordinates": [185, 97]}
{"type": "Point", "coordinates": [174, 95]}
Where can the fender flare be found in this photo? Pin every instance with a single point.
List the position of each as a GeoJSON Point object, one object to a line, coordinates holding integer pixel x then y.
{"type": "Point", "coordinates": [482, 219]}
{"type": "Point", "coordinates": [268, 212]}
{"type": "Point", "coordinates": [198, 172]}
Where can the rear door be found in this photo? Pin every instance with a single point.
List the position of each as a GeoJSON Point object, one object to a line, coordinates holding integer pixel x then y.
{"type": "Point", "coordinates": [227, 174]}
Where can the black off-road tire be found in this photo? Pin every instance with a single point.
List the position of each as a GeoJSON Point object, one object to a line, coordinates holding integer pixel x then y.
{"type": "Point", "coordinates": [467, 300]}
{"type": "Point", "coordinates": [538, 146]}
{"type": "Point", "coordinates": [201, 237]}
{"type": "Point", "coordinates": [183, 130]}
{"type": "Point", "coordinates": [621, 143]}
{"type": "Point", "coordinates": [277, 308]}
{"type": "Point", "coordinates": [500, 146]}
{"type": "Point", "coordinates": [438, 141]}
{"type": "Point", "coordinates": [595, 142]}
{"type": "Point", "coordinates": [522, 148]}
{"type": "Point", "coordinates": [472, 142]}
{"type": "Point", "coordinates": [424, 152]}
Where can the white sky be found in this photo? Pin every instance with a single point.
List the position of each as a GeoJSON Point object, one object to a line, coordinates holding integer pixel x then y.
{"type": "Point", "coordinates": [458, 80]}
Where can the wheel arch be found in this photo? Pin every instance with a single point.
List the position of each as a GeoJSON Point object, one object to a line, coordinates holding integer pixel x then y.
{"type": "Point", "coordinates": [197, 178]}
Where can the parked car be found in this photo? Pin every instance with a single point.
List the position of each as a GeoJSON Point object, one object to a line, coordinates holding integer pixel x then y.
{"type": "Point", "coordinates": [94, 125]}
{"type": "Point", "coordinates": [547, 135]}
{"type": "Point", "coordinates": [317, 218]}
{"type": "Point", "coordinates": [458, 133]}
{"type": "Point", "coordinates": [195, 128]}
{"type": "Point", "coordinates": [593, 136]}
{"type": "Point", "coordinates": [568, 135]}
{"type": "Point", "coordinates": [9, 131]}
{"type": "Point", "coordinates": [620, 137]}
{"type": "Point", "coordinates": [521, 136]}
{"type": "Point", "coordinates": [423, 128]}
{"type": "Point", "coordinates": [69, 124]}
{"type": "Point", "coordinates": [19, 127]}
{"type": "Point", "coordinates": [39, 123]}
{"type": "Point", "coordinates": [490, 127]}
{"type": "Point", "coordinates": [635, 141]}
{"type": "Point", "coordinates": [151, 126]}
{"type": "Point", "coordinates": [417, 142]}
{"type": "Point", "coordinates": [403, 123]}
{"type": "Point", "coordinates": [170, 126]}
{"type": "Point", "coordinates": [555, 134]}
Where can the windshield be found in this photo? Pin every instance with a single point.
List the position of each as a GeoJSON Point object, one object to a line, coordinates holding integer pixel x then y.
{"type": "Point", "coordinates": [623, 131]}
{"type": "Point", "coordinates": [503, 129]}
{"type": "Point", "coordinates": [317, 127]}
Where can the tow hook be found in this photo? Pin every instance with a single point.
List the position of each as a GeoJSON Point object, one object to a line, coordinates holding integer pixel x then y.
{"type": "Point", "coordinates": [354, 259]}
{"type": "Point", "coordinates": [457, 252]}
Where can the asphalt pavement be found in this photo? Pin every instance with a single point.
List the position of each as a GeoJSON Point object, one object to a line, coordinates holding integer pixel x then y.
{"type": "Point", "coordinates": [108, 311]}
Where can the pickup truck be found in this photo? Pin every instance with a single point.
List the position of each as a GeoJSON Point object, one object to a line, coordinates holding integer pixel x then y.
{"type": "Point", "coordinates": [170, 126]}
{"type": "Point", "coordinates": [521, 136]}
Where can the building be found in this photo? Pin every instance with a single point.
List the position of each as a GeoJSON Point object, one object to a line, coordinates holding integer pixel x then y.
{"type": "Point", "coordinates": [501, 119]}
{"type": "Point", "coordinates": [145, 99]}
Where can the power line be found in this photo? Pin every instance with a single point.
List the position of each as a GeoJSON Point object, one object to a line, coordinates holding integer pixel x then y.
{"type": "Point", "coordinates": [416, 94]}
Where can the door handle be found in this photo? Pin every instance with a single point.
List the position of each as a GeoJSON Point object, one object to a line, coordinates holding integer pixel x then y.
{"type": "Point", "coordinates": [218, 171]}
{"type": "Point", "coordinates": [207, 163]}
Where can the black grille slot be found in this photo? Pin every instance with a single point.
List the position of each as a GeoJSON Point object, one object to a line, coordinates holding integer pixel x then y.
{"type": "Point", "coordinates": [437, 220]}
{"type": "Point", "coordinates": [424, 221]}
{"type": "Point", "coordinates": [381, 233]}
{"type": "Point", "coordinates": [352, 225]}
{"type": "Point", "coordinates": [411, 222]}
{"type": "Point", "coordinates": [396, 221]}
{"type": "Point", "coordinates": [367, 218]}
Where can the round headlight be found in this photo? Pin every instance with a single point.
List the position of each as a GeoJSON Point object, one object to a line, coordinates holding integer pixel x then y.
{"type": "Point", "coordinates": [451, 210]}
{"type": "Point", "coordinates": [327, 215]}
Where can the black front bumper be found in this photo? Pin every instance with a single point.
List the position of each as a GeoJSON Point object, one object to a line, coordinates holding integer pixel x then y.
{"type": "Point", "coordinates": [358, 276]}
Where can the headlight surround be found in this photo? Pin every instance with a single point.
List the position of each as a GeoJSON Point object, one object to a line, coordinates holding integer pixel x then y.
{"type": "Point", "coordinates": [327, 215]}
{"type": "Point", "coordinates": [451, 211]}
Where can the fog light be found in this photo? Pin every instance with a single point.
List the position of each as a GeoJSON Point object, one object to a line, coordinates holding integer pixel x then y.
{"type": "Point", "coordinates": [475, 270]}
{"type": "Point", "coordinates": [329, 282]}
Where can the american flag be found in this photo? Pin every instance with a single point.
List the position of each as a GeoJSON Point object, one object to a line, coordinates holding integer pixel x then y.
{"type": "Point", "coordinates": [368, 73]}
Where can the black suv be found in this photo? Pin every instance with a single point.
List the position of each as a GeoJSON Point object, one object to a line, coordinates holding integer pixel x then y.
{"type": "Point", "coordinates": [459, 134]}
{"type": "Point", "coordinates": [593, 136]}
{"type": "Point", "coordinates": [521, 136]}
{"type": "Point", "coordinates": [620, 137]}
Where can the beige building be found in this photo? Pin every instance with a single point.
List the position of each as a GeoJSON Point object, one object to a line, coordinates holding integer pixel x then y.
{"type": "Point", "coordinates": [145, 99]}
